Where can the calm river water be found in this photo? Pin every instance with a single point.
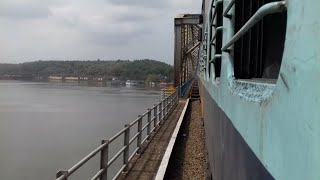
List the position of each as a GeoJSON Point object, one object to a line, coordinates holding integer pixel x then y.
{"type": "Point", "coordinates": [45, 127]}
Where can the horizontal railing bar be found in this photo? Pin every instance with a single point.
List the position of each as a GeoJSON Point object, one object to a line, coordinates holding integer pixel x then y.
{"type": "Point", "coordinates": [97, 176]}
{"type": "Point", "coordinates": [135, 121]}
{"type": "Point", "coordinates": [218, 29]}
{"type": "Point", "coordinates": [134, 137]}
{"type": "Point", "coordinates": [153, 129]}
{"type": "Point", "coordinates": [117, 135]}
{"type": "Point", "coordinates": [116, 156]}
{"type": "Point", "coordinates": [214, 58]}
{"type": "Point", "coordinates": [61, 177]}
{"type": "Point", "coordinates": [171, 108]}
{"type": "Point", "coordinates": [144, 114]}
{"type": "Point", "coordinates": [225, 13]}
{"type": "Point", "coordinates": [145, 126]}
{"type": "Point", "coordinates": [155, 106]}
{"type": "Point", "coordinates": [134, 153]}
{"type": "Point", "coordinates": [119, 172]}
{"type": "Point", "coordinates": [158, 103]}
{"type": "Point", "coordinates": [269, 8]}
{"type": "Point", "coordinates": [87, 158]}
{"type": "Point", "coordinates": [144, 140]}
{"type": "Point", "coordinates": [152, 119]}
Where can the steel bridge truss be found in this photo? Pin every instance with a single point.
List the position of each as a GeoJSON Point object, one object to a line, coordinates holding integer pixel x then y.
{"type": "Point", "coordinates": [187, 44]}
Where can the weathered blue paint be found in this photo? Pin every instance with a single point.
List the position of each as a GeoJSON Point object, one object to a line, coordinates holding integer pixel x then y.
{"type": "Point", "coordinates": [184, 87]}
{"type": "Point", "coordinates": [230, 156]}
{"type": "Point", "coordinates": [280, 122]}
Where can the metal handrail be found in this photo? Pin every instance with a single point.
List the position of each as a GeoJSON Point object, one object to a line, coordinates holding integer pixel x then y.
{"type": "Point", "coordinates": [134, 138]}
{"type": "Point", "coordinates": [165, 107]}
{"type": "Point", "coordinates": [135, 121]}
{"type": "Point", "coordinates": [185, 86]}
{"type": "Point", "coordinates": [225, 13]}
{"type": "Point", "coordinates": [119, 172]}
{"type": "Point", "coordinates": [218, 29]}
{"type": "Point", "coordinates": [117, 135]}
{"type": "Point", "coordinates": [214, 58]}
{"type": "Point", "coordinates": [215, 11]}
{"type": "Point", "coordinates": [86, 159]}
{"type": "Point", "coordinates": [115, 157]}
{"type": "Point", "coordinates": [97, 176]}
{"type": "Point", "coordinates": [269, 8]}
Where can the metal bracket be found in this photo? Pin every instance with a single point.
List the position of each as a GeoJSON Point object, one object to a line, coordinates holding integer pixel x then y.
{"type": "Point", "coordinates": [62, 173]}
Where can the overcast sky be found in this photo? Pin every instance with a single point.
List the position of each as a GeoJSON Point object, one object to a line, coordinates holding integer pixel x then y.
{"type": "Point", "coordinates": [89, 29]}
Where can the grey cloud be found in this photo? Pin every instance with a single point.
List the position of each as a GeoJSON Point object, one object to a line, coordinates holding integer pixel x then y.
{"type": "Point", "coordinates": [132, 18]}
{"type": "Point", "coordinates": [116, 38]}
{"type": "Point", "coordinates": [142, 3]}
{"type": "Point", "coordinates": [26, 9]}
{"type": "Point", "coordinates": [113, 28]}
{"type": "Point", "coordinates": [23, 12]}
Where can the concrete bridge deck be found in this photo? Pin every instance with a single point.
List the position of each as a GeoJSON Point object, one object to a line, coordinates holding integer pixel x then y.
{"type": "Point", "coordinates": [145, 166]}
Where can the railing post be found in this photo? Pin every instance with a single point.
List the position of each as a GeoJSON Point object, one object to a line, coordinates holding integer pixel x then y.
{"type": "Point", "coordinates": [104, 160]}
{"type": "Point", "coordinates": [160, 112]}
{"type": "Point", "coordinates": [155, 113]}
{"type": "Point", "coordinates": [126, 143]}
{"type": "Point", "coordinates": [176, 99]}
{"type": "Point", "coordinates": [149, 124]}
{"type": "Point", "coordinates": [167, 103]}
{"type": "Point", "coordinates": [171, 102]}
{"type": "Point", "coordinates": [62, 173]}
{"type": "Point", "coordinates": [139, 139]}
{"type": "Point", "coordinates": [164, 109]}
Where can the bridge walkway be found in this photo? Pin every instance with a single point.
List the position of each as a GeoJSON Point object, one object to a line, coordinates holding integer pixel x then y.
{"type": "Point", "coordinates": [145, 166]}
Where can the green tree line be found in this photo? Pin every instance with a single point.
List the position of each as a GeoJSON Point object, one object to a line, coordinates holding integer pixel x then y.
{"type": "Point", "coordinates": [122, 69]}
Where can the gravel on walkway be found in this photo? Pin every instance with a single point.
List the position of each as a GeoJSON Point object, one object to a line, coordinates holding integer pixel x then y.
{"type": "Point", "coordinates": [188, 160]}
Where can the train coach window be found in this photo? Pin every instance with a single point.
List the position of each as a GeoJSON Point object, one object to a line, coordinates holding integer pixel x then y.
{"type": "Point", "coordinates": [218, 45]}
{"type": "Point", "coordinates": [215, 40]}
{"type": "Point", "coordinates": [258, 54]}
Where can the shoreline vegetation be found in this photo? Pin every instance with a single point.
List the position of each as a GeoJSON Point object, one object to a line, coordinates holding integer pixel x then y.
{"type": "Point", "coordinates": [145, 70]}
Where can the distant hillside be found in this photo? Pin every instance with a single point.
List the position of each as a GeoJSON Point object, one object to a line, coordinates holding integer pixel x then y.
{"type": "Point", "coordinates": [122, 69]}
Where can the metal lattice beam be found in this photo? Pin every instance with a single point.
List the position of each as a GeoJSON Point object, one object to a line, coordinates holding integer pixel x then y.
{"type": "Point", "coordinates": [187, 47]}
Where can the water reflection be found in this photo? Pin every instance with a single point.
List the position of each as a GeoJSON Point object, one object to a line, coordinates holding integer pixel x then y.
{"type": "Point", "coordinates": [48, 126]}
